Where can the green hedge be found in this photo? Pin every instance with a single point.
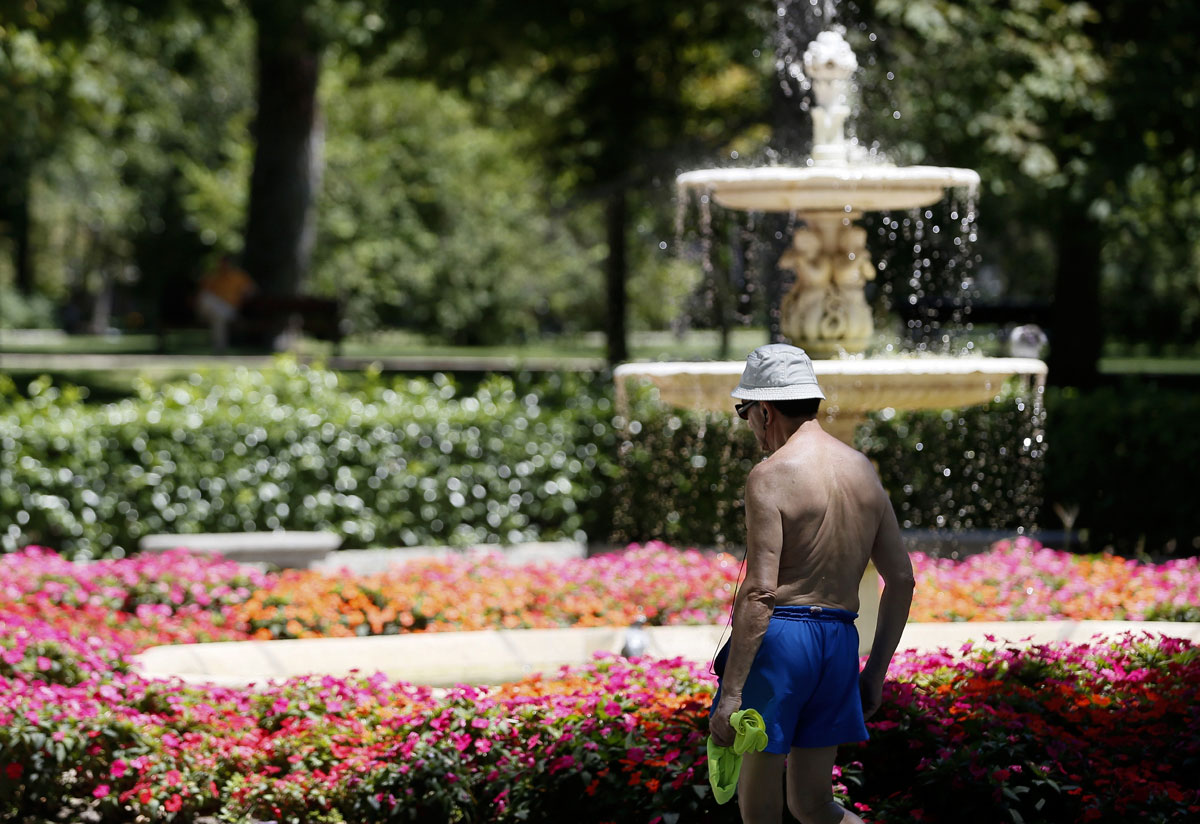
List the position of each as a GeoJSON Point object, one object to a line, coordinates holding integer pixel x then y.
{"type": "Point", "coordinates": [389, 464]}
{"type": "Point", "coordinates": [1124, 459]}
{"type": "Point", "coordinates": [682, 474]}
{"type": "Point", "coordinates": [1120, 458]}
{"type": "Point", "coordinates": [975, 468]}
{"type": "Point", "coordinates": [420, 461]}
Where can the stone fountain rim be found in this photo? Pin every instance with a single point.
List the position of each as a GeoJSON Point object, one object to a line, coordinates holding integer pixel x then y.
{"type": "Point", "coordinates": [264, 663]}
{"type": "Point", "coordinates": [812, 177]}
{"type": "Point", "coordinates": [914, 366]}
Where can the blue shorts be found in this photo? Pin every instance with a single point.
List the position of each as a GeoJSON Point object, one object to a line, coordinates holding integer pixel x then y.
{"type": "Point", "coordinates": [804, 679]}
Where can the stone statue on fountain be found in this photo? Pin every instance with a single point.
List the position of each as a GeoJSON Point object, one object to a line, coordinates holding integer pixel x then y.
{"type": "Point", "coordinates": [826, 308]}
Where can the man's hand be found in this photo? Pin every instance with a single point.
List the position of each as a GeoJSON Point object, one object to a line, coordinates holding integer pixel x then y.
{"type": "Point", "coordinates": [870, 688]}
{"type": "Point", "coordinates": [721, 730]}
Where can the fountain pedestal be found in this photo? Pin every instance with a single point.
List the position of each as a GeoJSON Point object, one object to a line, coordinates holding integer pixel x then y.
{"type": "Point", "coordinates": [826, 309]}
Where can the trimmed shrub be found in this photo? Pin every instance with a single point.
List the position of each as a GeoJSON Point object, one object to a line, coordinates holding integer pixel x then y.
{"type": "Point", "coordinates": [390, 463]}
{"type": "Point", "coordinates": [974, 468]}
{"type": "Point", "coordinates": [403, 463]}
{"type": "Point", "coordinates": [682, 474]}
{"type": "Point", "coordinates": [1120, 460]}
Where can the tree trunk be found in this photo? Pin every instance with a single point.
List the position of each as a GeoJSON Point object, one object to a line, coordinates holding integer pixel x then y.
{"type": "Point", "coordinates": [727, 295]}
{"type": "Point", "coordinates": [280, 223]}
{"type": "Point", "coordinates": [1075, 333]}
{"type": "Point", "coordinates": [14, 210]}
{"type": "Point", "coordinates": [21, 232]}
{"type": "Point", "coordinates": [617, 272]}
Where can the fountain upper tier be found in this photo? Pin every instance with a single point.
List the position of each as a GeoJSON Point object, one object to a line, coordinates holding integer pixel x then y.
{"type": "Point", "coordinates": [826, 310]}
{"type": "Point", "coordinates": [843, 189]}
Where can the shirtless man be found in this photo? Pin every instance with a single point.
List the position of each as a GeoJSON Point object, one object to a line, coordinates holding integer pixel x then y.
{"type": "Point", "coordinates": [815, 514]}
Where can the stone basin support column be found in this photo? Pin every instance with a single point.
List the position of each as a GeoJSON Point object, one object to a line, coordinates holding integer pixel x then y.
{"type": "Point", "coordinates": [826, 311]}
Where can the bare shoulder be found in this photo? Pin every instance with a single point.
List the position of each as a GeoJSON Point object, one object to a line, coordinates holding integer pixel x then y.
{"type": "Point", "coordinates": [770, 479]}
{"type": "Point", "coordinates": [853, 459]}
{"type": "Point", "coordinates": [761, 477]}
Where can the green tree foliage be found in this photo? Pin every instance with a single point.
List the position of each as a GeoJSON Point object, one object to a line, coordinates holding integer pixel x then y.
{"type": "Point", "coordinates": [620, 93]}
{"type": "Point", "coordinates": [37, 101]}
{"type": "Point", "coordinates": [435, 222]}
{"type": "Point", "coordinates": [123, 145]}
{"type": "Point", "coordinates": [1082, 120]}
{"type": "Point", "coordinates": [127, 148]}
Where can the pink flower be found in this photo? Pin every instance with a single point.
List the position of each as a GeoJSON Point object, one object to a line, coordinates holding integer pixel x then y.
{"type": "Point", "coordinates": [119, 768]}
{"type": "Point", "coordinates": [561, 763]}
{"type": "Point", "coordinates": [101, 790]}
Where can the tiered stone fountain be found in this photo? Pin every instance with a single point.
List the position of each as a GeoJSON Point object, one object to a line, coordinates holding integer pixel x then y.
{"type": "Point", "coordinates": [826, 311]}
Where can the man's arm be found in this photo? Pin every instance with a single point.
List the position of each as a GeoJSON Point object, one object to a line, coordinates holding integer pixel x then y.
{"type": "Point", "coordinates": [755, 600]}
{"type": "Point", "coordinates": [893, 565]}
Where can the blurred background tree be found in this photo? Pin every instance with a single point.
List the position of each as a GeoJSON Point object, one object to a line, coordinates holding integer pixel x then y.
{"type": "Point", "coordinates": [616, 96]}
{"type": "Point", "coordinates": [1082, 121]}
{"type": "Point", "coordinates": [433, 221]}
{"type": "Point", "coordinates": [505, 171]}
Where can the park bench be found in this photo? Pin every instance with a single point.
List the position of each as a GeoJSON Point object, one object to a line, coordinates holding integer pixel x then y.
{"type": "Point", "coordinates": [281, 548]}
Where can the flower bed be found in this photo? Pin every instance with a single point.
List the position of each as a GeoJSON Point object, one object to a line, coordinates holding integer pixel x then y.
{"type": "Point", "coordinates": [1023, 581]}
{"type": "Point", "coordinates": [1016, 580]}
{"type": "Point", "coordinates": [664, 585]}
{"type": "Point", "coordinates": [1063, 733]}
{"type": "Point", "coordinates": [1058, 733]}
{"type": "Point", "coordinates": [64, 620]}
{"type": "Point", "coordinates": [1101, 732]}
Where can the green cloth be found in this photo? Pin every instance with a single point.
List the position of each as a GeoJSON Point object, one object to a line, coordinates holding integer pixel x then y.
{"type": "Point", "coordinates": [725, 763]}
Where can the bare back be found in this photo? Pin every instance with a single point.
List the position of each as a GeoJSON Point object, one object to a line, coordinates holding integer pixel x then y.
{"type": "Point", "coordinates": [830, 506]}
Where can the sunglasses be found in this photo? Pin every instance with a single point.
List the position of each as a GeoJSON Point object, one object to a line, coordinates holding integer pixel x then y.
{"type": "Point", "coordinates": [743, 409]}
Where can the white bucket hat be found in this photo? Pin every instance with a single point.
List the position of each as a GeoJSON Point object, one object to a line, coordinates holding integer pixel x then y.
{"type": "Point", "coordinates": [778, 372]}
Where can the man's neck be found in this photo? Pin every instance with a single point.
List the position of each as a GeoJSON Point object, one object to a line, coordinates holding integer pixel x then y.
{"type": "Point", "coordinates": [790, 428]}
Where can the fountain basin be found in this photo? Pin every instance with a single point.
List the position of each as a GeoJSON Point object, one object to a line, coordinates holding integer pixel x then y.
{"type": "Point", "coordinates": [852, 387]}
{"type": "Point", "coordinates": [442, 659]}
{"type": "Point", "coordinates": [849, 189]}
{"type": "Point", "coordinates": [437, 659]}
{"type": "Point", "coordinates": [494, 657]}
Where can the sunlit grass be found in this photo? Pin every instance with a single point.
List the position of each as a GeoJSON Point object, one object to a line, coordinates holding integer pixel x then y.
{"type": "Point", "coordinates": [647, 345]}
